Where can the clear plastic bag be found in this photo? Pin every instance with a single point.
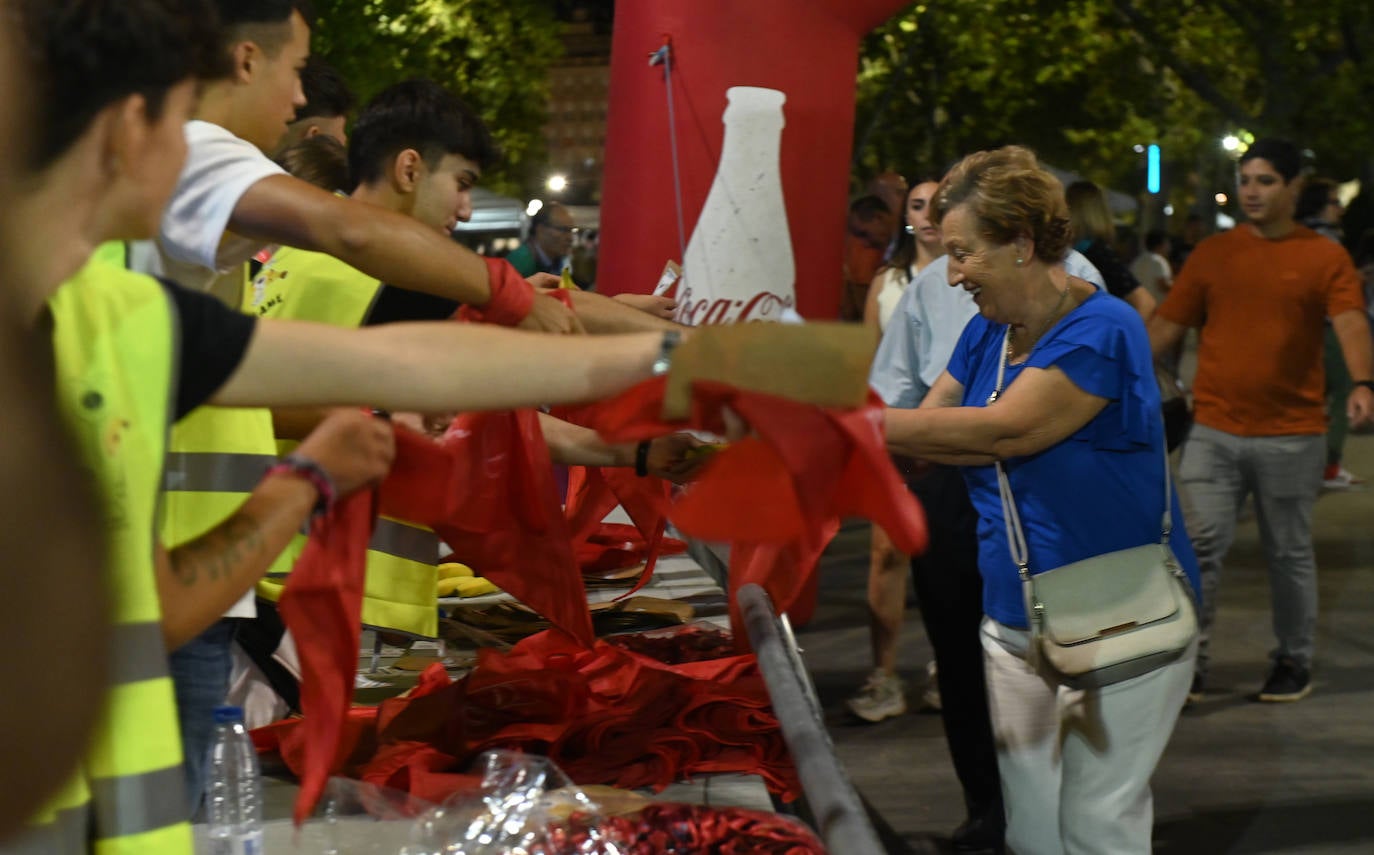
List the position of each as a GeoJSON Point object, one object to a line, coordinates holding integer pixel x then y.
{"type": "Point", "coordinates": [524, 802]}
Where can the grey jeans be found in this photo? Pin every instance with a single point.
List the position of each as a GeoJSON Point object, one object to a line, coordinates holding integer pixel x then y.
{"type": "Point", "coordinates": [1283, 473]}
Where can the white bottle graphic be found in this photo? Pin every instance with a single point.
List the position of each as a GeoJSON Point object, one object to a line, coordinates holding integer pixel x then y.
{"type": "Point", "coordinates": [739, 264]}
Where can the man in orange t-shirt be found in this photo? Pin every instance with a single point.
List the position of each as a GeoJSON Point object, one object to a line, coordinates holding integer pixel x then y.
{"type": "Point", "coordinates": [1261, 294]}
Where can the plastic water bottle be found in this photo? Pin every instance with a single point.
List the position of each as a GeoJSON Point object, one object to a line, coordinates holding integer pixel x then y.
{"type": "Point", "coordinates": [233, 793]}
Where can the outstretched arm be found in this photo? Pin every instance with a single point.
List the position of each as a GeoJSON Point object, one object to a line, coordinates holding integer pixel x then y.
{"type": "Point", "coordinates": [432, 367]}
{"type": "Point", "coordinates": [1039, 409]}
{"type": "Point", "coordinates": [394, 248]}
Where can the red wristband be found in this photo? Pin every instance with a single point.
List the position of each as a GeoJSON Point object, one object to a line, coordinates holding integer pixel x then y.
{"type": "Point", "coordinates": [512, 297]}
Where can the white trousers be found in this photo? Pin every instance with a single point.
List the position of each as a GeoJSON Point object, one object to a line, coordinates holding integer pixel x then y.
{"type": "Point", "coordinates": [1076, 764]}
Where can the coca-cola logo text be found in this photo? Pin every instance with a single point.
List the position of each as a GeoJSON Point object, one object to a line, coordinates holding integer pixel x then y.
{"type": "Point", "coordinates": [763, 306]}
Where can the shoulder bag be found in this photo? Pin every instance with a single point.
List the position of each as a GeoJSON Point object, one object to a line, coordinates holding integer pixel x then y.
{"type": "Point", "coordinates": [1107, 618]}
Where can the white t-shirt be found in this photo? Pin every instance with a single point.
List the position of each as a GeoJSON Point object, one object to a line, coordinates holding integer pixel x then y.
{"type": "Point", "coordinates": [193, 247]}
{"type": "Point", "coordinates": [891, 283]}
{"type": "Point", "coordinates": [1152, 270]}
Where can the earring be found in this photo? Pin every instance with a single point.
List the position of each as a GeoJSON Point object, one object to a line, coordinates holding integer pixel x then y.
{"type": "Point", "coordinates": [1020, 261]}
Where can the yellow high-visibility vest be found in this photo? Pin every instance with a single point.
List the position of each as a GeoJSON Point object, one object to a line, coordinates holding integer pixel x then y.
{"type": "Point", "coordinates": [402, 557]}
{"type": "Point", "coordinates": [113, 341]}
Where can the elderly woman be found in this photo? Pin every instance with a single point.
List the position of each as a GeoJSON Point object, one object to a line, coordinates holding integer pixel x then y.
{"type": "Point", "coordinates": [1054, 379]}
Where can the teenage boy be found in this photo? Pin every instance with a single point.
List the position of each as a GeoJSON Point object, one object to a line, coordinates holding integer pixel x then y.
{"type": "Point", "coordinates": [328, 101]}
{"type": "Point", "coordinates": [1261, 294]}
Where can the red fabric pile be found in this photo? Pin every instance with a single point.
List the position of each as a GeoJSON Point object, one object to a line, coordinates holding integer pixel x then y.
{"type": "Point", "coordinates": [668, 828]}
{"type": "Point", "coordinates": [605, 716]}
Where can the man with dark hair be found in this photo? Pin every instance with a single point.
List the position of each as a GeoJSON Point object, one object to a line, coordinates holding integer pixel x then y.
{"type": "Point", "coordinates": [328, 101]}
{"type": "Point", "coordinates": [550, 240]}
{"type": "Point", "coordinates": [1262, 293]}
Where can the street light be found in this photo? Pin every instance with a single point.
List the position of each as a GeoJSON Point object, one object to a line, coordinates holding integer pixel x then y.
{"type": "Point", "coordinates": [558, 183]}
{"type": "Point", "coordinates": [533, 207]}
{"type": "Point", "coordinates": [1231, 142]}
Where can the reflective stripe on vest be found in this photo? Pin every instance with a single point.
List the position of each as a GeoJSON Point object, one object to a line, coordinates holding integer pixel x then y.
{"type": "Point", "coordinates": [141, 654]}
{"type": "Point", "coordinates": [401, 540]}
{"type": "Point", "coordinates": [215, 472]}
{"type": "Point", "coordinates": [399, 588]}
{"type": "Point", "coordinates": [137, 804]}
{"type": "Point", "coordinates": [113, 338]}
{"type": "Point", "coordinates": [402, 574]}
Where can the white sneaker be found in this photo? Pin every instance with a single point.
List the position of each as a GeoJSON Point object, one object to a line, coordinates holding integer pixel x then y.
{"type": "Point", "coordinates": [883, 696]}
{"type": "Point", "coordinates": [930, 698]}
{"type": "Point", "coordinates": [1344, 479]}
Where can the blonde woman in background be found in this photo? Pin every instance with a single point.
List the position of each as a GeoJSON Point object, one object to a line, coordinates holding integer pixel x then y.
{"type": "Point", "coordinates": [1090, 219]}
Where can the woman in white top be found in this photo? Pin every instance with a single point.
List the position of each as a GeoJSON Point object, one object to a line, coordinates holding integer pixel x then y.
{"type": "Point", "coordinates": [883, 694]}
{"type": "Point", "coordinates": [918, 245]}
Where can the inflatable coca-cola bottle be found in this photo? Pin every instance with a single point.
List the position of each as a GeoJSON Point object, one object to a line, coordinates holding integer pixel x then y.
{"type": "Point", "coordinates": [739, 264]}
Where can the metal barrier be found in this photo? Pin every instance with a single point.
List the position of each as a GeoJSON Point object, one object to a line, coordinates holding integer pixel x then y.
{"type": "Point", "coordinates": [839, 813]}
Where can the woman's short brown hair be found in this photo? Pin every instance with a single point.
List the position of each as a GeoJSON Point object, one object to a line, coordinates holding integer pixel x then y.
{"type": "Point", "coordinates": [1012, 196]}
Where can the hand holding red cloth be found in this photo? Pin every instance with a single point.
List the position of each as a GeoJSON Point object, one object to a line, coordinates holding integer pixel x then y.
{"type": "Point", "coordinates": [487, 490]}
{"type": "Point", "coordinates": [322, 606]}
{"type": "Point", "coordinates": [778, 498]}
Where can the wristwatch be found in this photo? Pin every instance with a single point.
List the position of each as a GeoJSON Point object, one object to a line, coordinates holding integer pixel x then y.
{"type": "Point", "coordinates": [671, 339]}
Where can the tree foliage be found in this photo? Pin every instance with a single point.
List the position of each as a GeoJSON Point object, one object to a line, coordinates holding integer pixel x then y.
{"type": "Point", "coordinates": [1085, 81]}
{"type": "Point", "coordinates": [494, 53]}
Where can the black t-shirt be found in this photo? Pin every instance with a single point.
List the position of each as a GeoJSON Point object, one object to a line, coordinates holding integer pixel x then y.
{"type": "Point", "coordinates": [393, 305]}
{"type": "Point", "coordinates": [1118, 278]}
{"type": "Point", "coordinates": [212, 340]}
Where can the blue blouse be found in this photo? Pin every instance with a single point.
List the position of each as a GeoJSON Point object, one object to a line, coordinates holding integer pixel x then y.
{"type": "Point", "coordinates": [1099, 490]}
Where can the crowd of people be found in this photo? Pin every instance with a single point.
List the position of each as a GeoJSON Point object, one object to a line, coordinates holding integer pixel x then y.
{"type": "Point", "coordinates": [226, 275]}
{"type": "Point", "coordinates": [1024, 339]}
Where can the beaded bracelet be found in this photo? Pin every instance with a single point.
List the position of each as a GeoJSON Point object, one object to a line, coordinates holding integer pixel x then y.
{"type": "Point", "coordinates": [300, 466]}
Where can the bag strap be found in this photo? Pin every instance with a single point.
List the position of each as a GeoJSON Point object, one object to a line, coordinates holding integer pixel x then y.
{"type": "Point", "coordinates": [1016, 536]}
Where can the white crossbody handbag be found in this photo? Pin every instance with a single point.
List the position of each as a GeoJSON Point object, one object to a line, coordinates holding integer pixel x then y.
{"type": "Point", "coordinates": [1110, 617]}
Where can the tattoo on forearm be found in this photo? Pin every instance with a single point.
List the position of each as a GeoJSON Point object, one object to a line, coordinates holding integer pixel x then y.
{"type": "Point", "coordinates": [215, 554]}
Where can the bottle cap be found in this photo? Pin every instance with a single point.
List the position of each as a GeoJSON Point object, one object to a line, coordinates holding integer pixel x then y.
{"type": "Point", "coordinates": [227, 714]}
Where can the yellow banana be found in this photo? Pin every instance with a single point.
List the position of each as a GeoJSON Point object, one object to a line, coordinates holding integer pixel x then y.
{"type": "Point", "coordinates": [465, 586]}
{"type": "Point", "coordinates": [452, 570]}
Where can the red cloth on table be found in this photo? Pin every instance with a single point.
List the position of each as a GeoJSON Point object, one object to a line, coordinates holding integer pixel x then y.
{"type": "Point", "coordinates": [777, 499]}
{"type": "Point", "coordinates": [605, 715]}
